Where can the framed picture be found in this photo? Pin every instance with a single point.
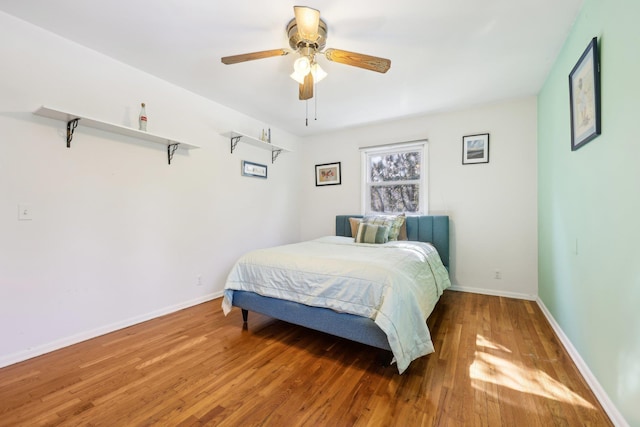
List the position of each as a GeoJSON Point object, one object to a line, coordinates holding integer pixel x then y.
{"type": "Point", "coordinates": [584, 96]}
{"type": "Point", "coordinates": [254, 169]}
{"type": "Point", "coordinates": [328, 174]}
{"type": "Point", "coordinates": [475, 149]}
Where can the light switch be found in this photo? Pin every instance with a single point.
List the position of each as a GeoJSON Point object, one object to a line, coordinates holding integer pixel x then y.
{"type": "Point", "coordinates": [24, 212]}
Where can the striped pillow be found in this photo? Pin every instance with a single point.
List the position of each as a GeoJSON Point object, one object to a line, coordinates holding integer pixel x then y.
{"type": "Point", "coordinates": [394, 222]}
{"type": "Point", "coordinates": [372, 233]}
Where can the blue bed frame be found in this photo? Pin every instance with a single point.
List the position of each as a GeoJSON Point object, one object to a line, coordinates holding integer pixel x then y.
{"type": "Point", "coordinates": [433, 229]}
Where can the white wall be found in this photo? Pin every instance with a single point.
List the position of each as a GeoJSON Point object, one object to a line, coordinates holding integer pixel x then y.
{"type": "Point", "coordinates": [118, 235]}
{"type": "Point", "coordinates": [492, 207]}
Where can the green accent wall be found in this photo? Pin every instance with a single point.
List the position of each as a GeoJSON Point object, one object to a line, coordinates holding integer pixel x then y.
{"type": "Point", "coordinates": [589, 205]}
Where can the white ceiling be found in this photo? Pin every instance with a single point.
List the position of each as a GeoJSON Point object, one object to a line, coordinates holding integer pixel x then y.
{"type": "Point", "coordinates": [445, 54]}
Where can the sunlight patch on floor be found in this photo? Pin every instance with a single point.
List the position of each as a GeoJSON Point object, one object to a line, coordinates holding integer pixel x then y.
{"type": "Point", "coordinates": [483, 342]}
{"type": "Point", "coordinates": [491, 368]}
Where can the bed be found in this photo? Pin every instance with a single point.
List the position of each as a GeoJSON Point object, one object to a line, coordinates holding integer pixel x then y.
{"type": "Point", "coordinates": [376, 326]}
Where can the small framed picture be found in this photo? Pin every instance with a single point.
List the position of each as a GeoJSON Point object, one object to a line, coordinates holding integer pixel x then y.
{"type": "Point", "coordinates": [254, 169]}
{"type": "Point", "coordinates": [328, 174]}
{"type": "Point", "coordinates": [584, 96]}
{"type": "Point", "coordinates": [475, 149]}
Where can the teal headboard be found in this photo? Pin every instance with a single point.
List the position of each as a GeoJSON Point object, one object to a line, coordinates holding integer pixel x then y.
{"type": "Point", "coordinates": [425, 228]}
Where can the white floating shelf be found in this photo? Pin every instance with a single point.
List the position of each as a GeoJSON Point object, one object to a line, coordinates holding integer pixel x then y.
{"type": "Point", "coordinates": [236, 137]}
{"type": "Point", "coordinates": [73, 120]}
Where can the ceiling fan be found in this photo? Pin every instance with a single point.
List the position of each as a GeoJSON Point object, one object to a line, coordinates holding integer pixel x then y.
{"type": "Point", "coordinates": [307, 36]}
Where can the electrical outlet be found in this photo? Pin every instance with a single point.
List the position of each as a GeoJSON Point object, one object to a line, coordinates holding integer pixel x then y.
{"type": "Point", "coordinates": [199, 280]}
{"type": "Point", "coordinates": [497, 274]}
{"type": "Point", "coordinates": [24, 212]}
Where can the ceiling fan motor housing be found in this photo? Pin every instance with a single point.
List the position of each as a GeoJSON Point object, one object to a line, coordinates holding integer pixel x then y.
{"type": "Point", "coordinates": [297, 43]}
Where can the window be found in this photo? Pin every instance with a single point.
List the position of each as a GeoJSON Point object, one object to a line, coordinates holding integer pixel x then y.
{"type": "Point", "coordinates": [394, 178]}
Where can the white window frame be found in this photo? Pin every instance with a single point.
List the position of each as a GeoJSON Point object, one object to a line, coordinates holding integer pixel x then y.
{"type": "Point", "coordinates": [365, 152]}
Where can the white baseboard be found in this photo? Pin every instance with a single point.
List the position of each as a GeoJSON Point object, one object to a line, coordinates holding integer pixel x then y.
{"type": "Point", "coordinates": [83, 336]}
{"type": "Point", "coordinates": [616, 417]}
{"type": "Point", "coordinates": [493, 292]}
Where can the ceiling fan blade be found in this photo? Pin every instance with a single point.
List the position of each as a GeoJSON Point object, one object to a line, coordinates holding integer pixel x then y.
{"type": "Point", "coordinates": [306, 89]}
{"type": "Point", "coordinates": [373, 63]}
{"type": "Point", "coordinates": [254, 55]}
{"type": "Point", "coordinates": [308, 21]}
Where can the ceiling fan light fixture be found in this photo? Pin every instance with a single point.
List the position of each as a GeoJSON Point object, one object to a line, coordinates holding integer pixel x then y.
{"type": "Point", "coordinates": [308, 21]}
{"type": "Point", "coordinates": [297, 77]}
{"type": "Point", "coordinates": [318, 72]}
{"type": "Point", "coordinates": [302, 66]}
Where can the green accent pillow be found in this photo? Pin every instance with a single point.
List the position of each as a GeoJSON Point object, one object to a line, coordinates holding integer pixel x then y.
{"type": "Point", "coordinates": [372, 233]}
{"type": "Point", "coordinates": [394, 222]}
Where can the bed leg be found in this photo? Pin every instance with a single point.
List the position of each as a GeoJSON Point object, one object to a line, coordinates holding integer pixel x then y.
{"type": "Point", "coordinates": [385, 357]}
{"type": "Point", "coordinates": [245, 315]}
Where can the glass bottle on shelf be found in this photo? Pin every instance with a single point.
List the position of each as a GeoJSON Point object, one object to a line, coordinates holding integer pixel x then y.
{"type": "Point", "coordinates": [142, 119]}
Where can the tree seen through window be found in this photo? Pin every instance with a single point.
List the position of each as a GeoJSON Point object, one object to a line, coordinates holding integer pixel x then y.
{"type": "Point", "coordinates": [393, 181]}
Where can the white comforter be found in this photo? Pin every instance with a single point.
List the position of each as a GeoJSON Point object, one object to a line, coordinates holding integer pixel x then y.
{"type": "Point", "coordinates": [397, 284]}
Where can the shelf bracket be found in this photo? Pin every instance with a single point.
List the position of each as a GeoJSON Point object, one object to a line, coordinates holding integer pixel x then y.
{"type": "Point", "coordinates": [274, 155]}
{"type": "Point", "coordinates": [234, 142]}
{"type": "Point", "coordinates": [71, 127]}
{"type": "Point", "coordinates": [171, 149]}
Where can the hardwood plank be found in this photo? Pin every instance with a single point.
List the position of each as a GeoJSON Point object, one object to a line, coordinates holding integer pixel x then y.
{"type": "Point", "coordinates": [497, 362]}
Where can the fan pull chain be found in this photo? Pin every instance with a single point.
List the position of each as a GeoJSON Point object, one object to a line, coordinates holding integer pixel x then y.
{"type": "Point", "coordinates": [306, 113]}
{"type": "Point", "coordinates": [315, 102]}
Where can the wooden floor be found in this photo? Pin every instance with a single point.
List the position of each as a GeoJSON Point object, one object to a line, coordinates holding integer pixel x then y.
{"type": "Point", "coordinates": [497, 363]}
